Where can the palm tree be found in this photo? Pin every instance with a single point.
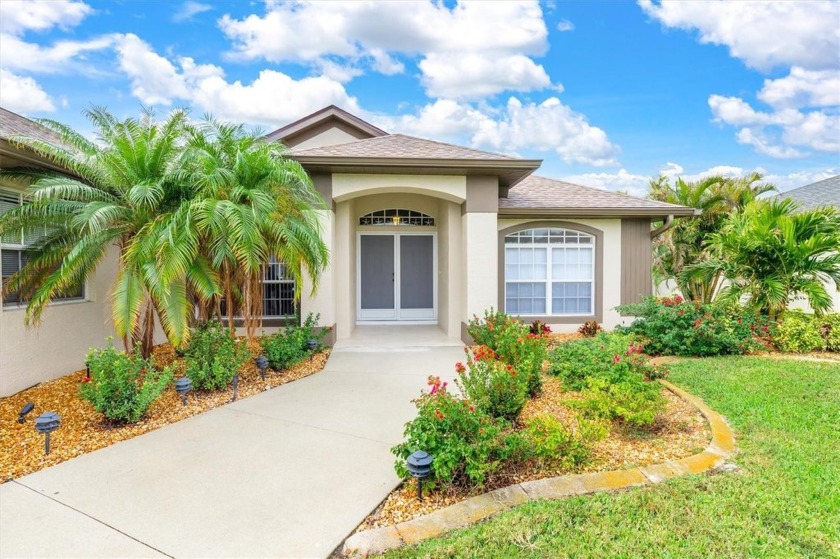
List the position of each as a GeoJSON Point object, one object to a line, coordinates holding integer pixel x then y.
{"type": "Point", "coordinates": [118, 188]}
{"type": "Point", "coordinates": [248, 203]}
{"type": "Point", "coordinates": [684, 243]}
{"type": "Point", "coordinates": [770, 252]}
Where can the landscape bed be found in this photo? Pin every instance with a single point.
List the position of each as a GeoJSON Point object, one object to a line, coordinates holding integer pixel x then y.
{"type": "Point", "coordinates": [84, 430]}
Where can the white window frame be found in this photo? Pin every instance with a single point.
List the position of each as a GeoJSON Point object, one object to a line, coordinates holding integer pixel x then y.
{"type": "Point", "coordinates": [548, 281]}
{"type": "Point", "coordinates": [284, 281]}
{"type": "Point", "coordinates": [19, 248]}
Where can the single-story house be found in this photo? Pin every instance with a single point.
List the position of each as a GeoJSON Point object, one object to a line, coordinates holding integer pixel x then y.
{"type": "Point", "coordinates": [419, 232]}
{"type": "Point", "coordinates": [821, 193]}
{"type": "Point", "coordinates": [71, 325]}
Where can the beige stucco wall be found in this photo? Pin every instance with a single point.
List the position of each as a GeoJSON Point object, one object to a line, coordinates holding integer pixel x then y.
{"type": "Point", "coordinates": [356, 200]}
{"type": "Point", "coordinates": [59, 345]}
{"type": "Point", "coordinates": [448, 187]}
{"type": "Point", "coordinates": [479, 272]}
{"type": "Point", "coordinates": [612, 268]}
{"type": "Point", "coordinates": [323, 300]}
{"type": "Point", "coordinates": [328, 137]}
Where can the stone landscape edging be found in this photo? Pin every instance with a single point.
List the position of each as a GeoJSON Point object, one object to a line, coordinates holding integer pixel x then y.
{"type": "Point", "coordinates": [480, 507]}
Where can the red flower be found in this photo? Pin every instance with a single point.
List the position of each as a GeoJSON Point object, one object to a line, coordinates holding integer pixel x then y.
{"type": "Point", "coordinates": [460, 368]}
{"type": "Point", "coordinates": [85, 380]}
{"type": "Point", "coordinates": [438, 414]}
{"type": "Point", "coordinates": [616, 359]}
{"type": "Point", "coordinates": [472, 408]}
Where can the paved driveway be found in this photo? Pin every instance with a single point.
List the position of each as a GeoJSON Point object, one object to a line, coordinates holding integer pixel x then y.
{"type": "Point", "coordinates": [287, 473]}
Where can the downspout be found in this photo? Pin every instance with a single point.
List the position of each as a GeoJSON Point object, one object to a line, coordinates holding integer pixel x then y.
{"type": "Point", "coordinates": [669, 222]}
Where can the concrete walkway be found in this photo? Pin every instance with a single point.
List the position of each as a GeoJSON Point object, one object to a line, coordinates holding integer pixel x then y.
{"type": "Point", "coordinates": [287, 473]}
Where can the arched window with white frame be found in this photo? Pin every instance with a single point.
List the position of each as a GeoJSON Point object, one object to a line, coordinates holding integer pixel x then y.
{"type": "Point", "coordinates": [550, 272]}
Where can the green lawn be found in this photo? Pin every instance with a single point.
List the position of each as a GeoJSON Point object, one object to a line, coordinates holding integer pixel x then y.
{"type": "Point", "coordinates": [783, 502]}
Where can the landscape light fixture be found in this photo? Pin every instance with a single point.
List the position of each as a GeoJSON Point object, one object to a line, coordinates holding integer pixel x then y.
{"type": "Point", "coordinates": [235, 386]}
{"type": "Point", "coordinates": [182, 386]}
{"type": "Point", "coordinates": [46, 423]}
{"type": "Point", "coordinates": [262, 363]}
{"type": "Point", "coordinates": [419, 466]}
{"type": "Point", "coordinates": [312, 344]}
{"type": "Point", "coordinates": [25, 410]}
{"type": "Point", "coordinates": [87, 367]}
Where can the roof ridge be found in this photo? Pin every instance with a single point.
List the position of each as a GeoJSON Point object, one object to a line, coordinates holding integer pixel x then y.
{"type": "Point", "coordinates": [447, 144]}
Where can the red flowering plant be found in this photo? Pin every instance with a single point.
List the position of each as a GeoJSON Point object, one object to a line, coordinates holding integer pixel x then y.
{"type": "Point", "coordinates": [495, 386]}
{"type": "Point", "coordinates": [465, 442]}
{"type": "Point", "coordinates": [515, 343]}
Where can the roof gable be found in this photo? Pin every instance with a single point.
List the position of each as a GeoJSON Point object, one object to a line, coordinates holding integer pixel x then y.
{"type": "Point", "coordinates": [400, 146]}
{"type": "Point", "coordinates": [350, 127]}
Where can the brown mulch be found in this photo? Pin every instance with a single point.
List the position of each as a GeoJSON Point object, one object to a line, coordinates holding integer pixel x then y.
{"type": "Point", "coordinates": [84, 430]}
{"type": "Point", "coordinates": [679, 432]}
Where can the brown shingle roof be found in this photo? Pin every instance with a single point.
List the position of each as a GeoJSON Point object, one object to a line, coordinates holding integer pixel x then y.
{"type": "Point", "coordinates": [541, 193]}
{"type": "Point", "coordinates": [399, 146]}
{"type": "Point", "coordinates": [12, 124]}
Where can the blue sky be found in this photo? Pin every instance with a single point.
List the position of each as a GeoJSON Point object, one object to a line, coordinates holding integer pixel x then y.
{"type": "Point", "coordinates": [608, 94]}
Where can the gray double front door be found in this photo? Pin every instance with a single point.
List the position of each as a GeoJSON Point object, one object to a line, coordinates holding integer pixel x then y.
{"type": "Point", "coordinates": [397, 276]}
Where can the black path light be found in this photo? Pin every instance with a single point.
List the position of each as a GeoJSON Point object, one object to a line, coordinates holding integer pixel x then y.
{"type": "Point", "coordinates": [235, 385]}
{"type": "Point", "coordinates": [25, 410]}
{"type": "Point", "coordinates": [87, 368]}
{"type": "Point", "coordinates": [182, 386]}
{"type": "Point", "coordinates": [419, 466]}
{"type": "Point", "coordinates": [262, 363]}
{"type": "Point", "coordinates": [46, 423]}
{"type": "Point", "coordinates": [312, 344]}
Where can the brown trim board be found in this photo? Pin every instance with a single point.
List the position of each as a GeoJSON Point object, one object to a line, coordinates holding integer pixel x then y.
{"type": "Point", "coordinates": [636, 260]}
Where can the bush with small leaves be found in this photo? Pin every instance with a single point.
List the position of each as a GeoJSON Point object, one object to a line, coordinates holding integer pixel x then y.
{"type": "Point", "coordinates": [121, 386]}
{"type": "Point", "coordinates": [213, 356]}
{"type": "Point", "coordinates": [467, 444]}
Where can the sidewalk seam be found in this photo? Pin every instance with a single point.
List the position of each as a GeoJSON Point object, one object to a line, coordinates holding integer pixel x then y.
{"type": "Point", "coordinates": [129, 536]}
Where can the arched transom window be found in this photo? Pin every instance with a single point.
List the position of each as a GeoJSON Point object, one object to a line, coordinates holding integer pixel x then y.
{"type": "Point", "coordinates": [396, 216]}
{"type": "Point", "coordinates": [549, 272]}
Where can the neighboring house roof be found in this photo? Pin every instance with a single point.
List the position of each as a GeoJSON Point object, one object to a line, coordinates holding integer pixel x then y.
{"type": "Point", "coordinates": [822, 193]}
{"type": "Point", "coordinates": [317, 119]}
{"type": "Point", "coordinates": [537, 194]}
{"type": "Point", "coordinates": [13, 124]}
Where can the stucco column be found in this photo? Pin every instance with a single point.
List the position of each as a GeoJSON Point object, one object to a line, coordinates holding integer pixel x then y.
{"type": "Point", "coordinates": [323, 301]}
{"type": "Point", "coordinates": [479, 225]}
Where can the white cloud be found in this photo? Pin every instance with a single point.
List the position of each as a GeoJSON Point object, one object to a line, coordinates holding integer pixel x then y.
{"type": "Point", "coordinates": [189, 10]}
{"type": "Point", "coordinates": [496, 38]}
{"type": "Point", "coordinates": [781, 133]}
{"type": "Point", "coordinates": [803, 88]}
{"type": "Point", "coordinates": [565, 25]}
{"type": "Point", "coordinates": [23, 95]}
{"type": "Point", "coordinates": [763, 34]}
{"type": "Point", "coordinates": [18, 16]}
{"type": "Point", "coordinates": [273, 98]}
{"type": "Point", "coordinates": [341, 73]}
{"type": "Point", "coordinates": [62, 57]}
{"type": "Point", "coordinates": [472, 75]}
{"type": "Point", "coordinates": [549, 126]}
{"type": "Point", "coordinates": [637, 185]}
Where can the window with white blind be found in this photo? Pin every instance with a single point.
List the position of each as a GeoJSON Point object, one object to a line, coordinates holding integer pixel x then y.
{"type": "Point", "coordinates": [550, 272]}
{"type": "Point", "coordinates": [13, 254]}
{"type": "Point", "coordinates": [278, 290]}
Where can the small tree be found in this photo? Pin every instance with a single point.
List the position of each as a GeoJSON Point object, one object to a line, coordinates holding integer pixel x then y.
{"type": "Point", "coordinates": [771, 252]}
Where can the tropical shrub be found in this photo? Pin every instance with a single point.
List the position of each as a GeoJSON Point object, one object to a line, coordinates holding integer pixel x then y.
{"type": "Point", "coordinates": [632, 400]}
{"type": "Point", "coordinates": [493, 386]}
{"type": "Point", "coordinates": [548, 440]}
{"type": "Point", "coordinates": [674, 326]}
{"type": "Point", "coordinates": [799, 332]}
{"type": "Point", "coordinates": [589, 328]}
{"type": "Point", "coordinates": [614, 357]}
{"type": "Point", "coordinates": [213, 356]}
{"type": "Point", "coordinates": [466, 443]}
{"type": "Point", "coordinates": [515, 343]}
{"type": "Point", "coordinates": [308, 331]}
{"type": "Point", "coordinates": [772, 251]}
{"type": "Point", "coordinates": [121, 386]}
